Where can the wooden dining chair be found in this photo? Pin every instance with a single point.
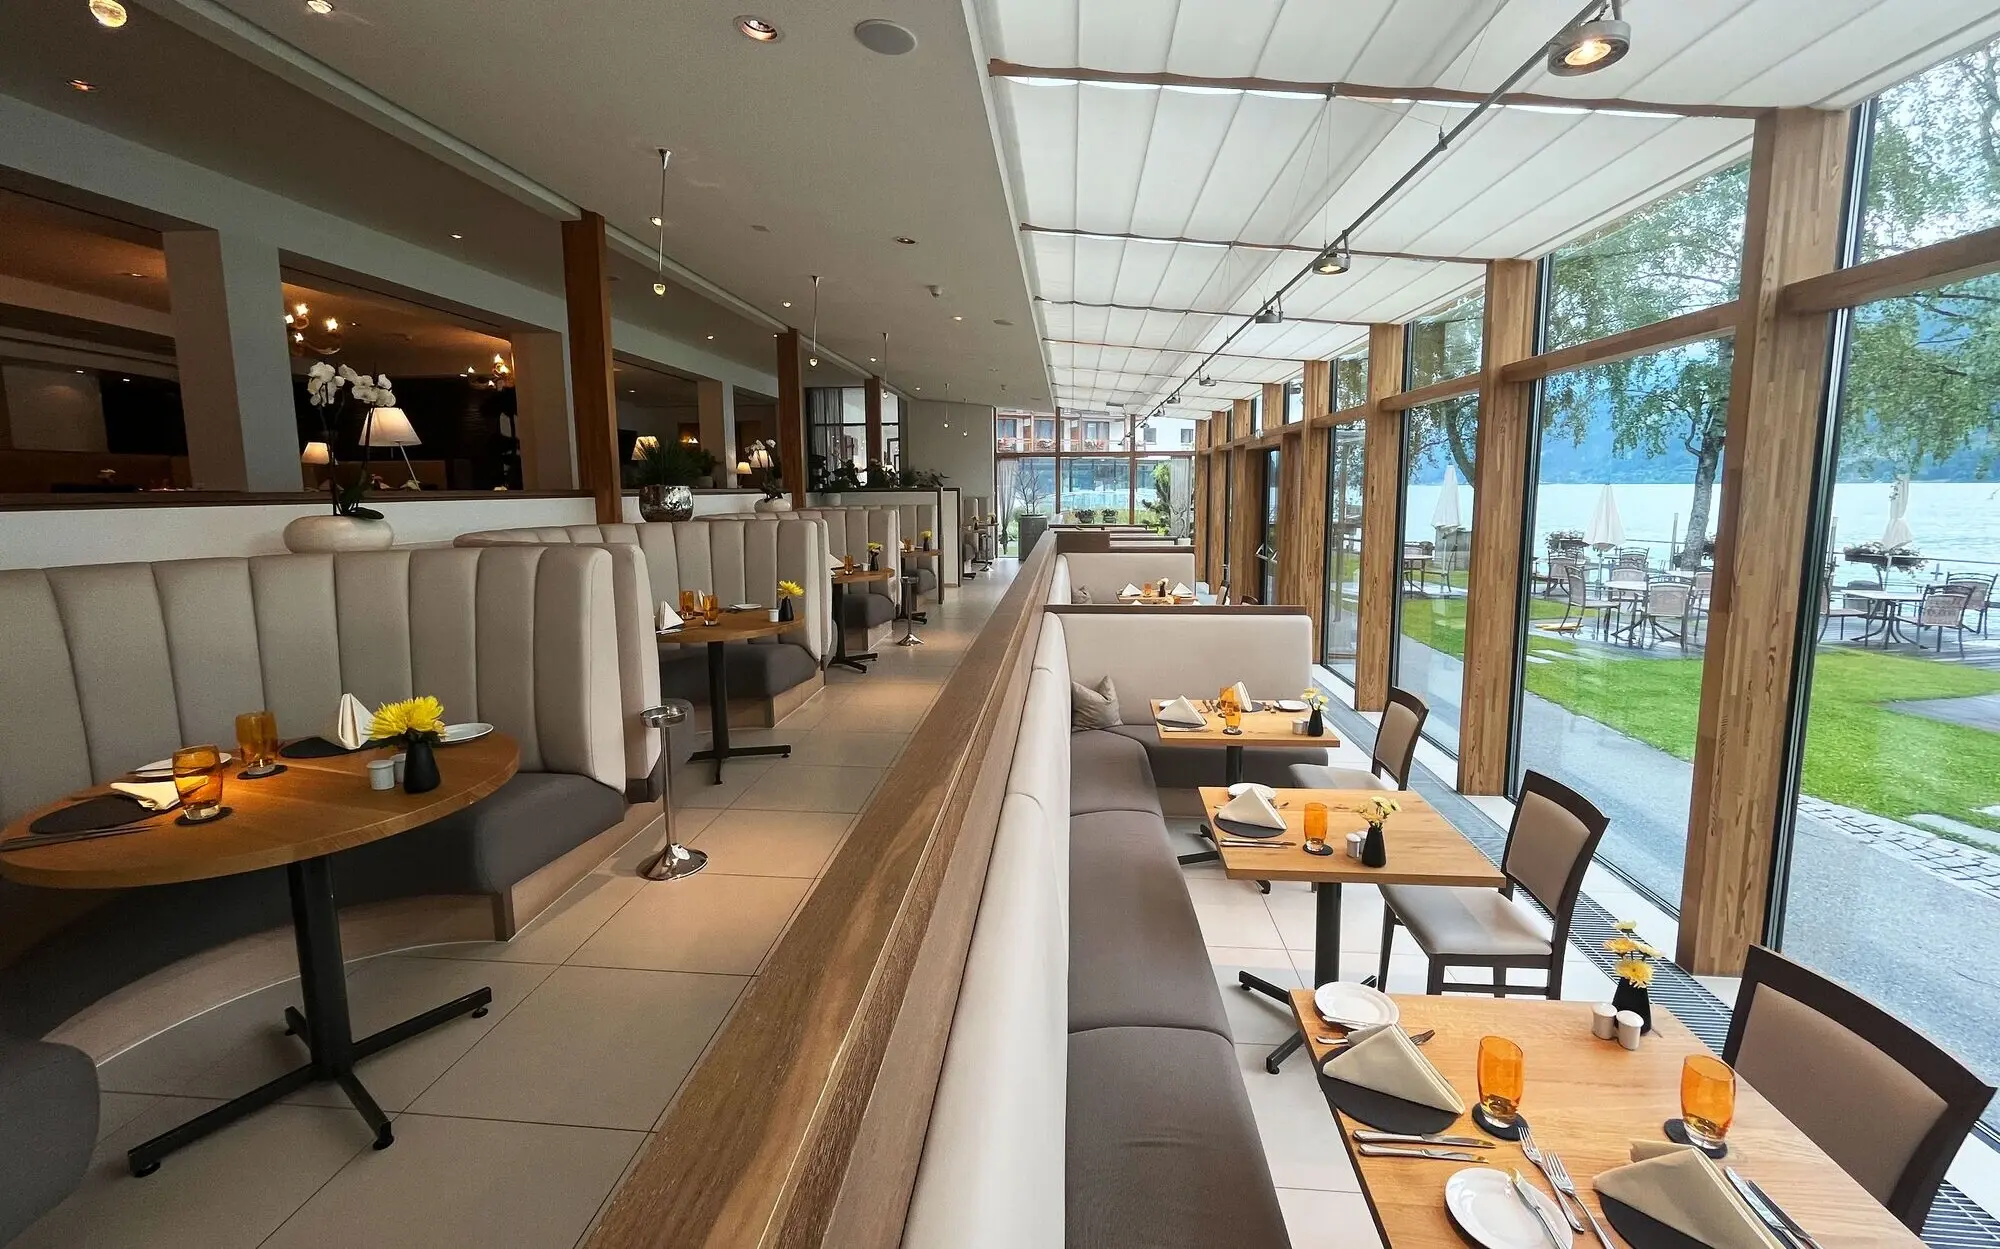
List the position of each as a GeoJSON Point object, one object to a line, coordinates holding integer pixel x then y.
{"type": "Point", "coordinates": [1884, 1101]}
{"type": "Point", "coordinates": [1549, 847]}
{"type": "Point", "coordinates": [1388, 763]}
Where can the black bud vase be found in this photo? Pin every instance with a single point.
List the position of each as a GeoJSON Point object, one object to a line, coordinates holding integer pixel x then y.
{"type": "Point", "coordinates": [784, 609]}
{"type": "Point", "coordinates": [1375, 849]}
{"type": "Point", "coordinates": [1316, 726]}
{"type": "Point", "coordinates": [420, 767]}
{"type": "Point", "coordinates": [1638, 1000]}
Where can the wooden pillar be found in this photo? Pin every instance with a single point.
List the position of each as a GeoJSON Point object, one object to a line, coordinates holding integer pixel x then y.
{"type": "Point", "coordinates": [1239, 420]}
{"type": "Point", "coordinates": [1500, 497]}
{"type": "Point", "coordinates": [1274, 407]}
{"type": "Point", "coordinates": [871, 394]}
{"type": "Point", "coordinates": [1302, 544]}
{"type": "Point", "coordinates": [1381, 535]}
{"type": "Point", "coordinates": [792, 417]}
{"type": "Point", "coordinates": [593, 390]}
{"type": "Point", "coordinates": [1776, 398]}
{"type": "Point", "coordinates": [1246, 522]}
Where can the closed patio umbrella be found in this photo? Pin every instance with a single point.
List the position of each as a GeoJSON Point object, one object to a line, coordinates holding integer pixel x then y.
{"type": "Point", "coordinates": [1898, 533]}
{"type": "Point", "coordinates": [1446, 515]}
{"type": "Point", "coordinates": [1606, 529]}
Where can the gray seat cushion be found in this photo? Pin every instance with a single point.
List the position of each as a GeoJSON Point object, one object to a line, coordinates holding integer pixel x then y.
{"type": "Point", "coordinates": [755, 670]}
{"type": "Point", "coordinates": [1108, 771]}
{"type": "Point", "coordinates": [1162, 1149]}
{"type": "Point", "coordinates": [1320, 776]}
{"type": "Point", "coordinates": [48, 1127]}
{"type": "Point", "coordinates": [1478, 923]}
{"type": "Point", "coordinates": [532, 820]}
{"type": "Point", "coordinates": [1136, 954]}
{"type": "Point", "coordinates": [1179, 766]}
{"type": "Point", "coordinates": [865, 611]}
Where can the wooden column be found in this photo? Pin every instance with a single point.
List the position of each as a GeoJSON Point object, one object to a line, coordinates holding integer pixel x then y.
{"type": "Point", "coordinates": [1302, 551]}
{"type": "Point", "coordinates": [1776, 398]}
{"type": "Point", "coordinates": [871, 394]}
{"type": "Point", "coordinates": [1204, 515]}
{"type": "Point", "coordinates": [1500, 497]}
{"type": "Point", "coordinates": [1239, 420]}
{"type": "Point", "coordinates": [792, 417]}
{"type": "Point", "coordinates": [1274, 407]}
{"type": "Point", "coordinates": [1381, 535]}
{"type": "Point", "coordinates": [1246, 522]}
{"type": "Point", "coordinates": [593, 390]}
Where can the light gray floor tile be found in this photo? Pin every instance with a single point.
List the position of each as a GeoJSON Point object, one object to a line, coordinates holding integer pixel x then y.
{"type": "Point", "coordinates": [1244, 923]}
{"type": "Point", "coordinates": [688, 823]}
{"type": "Point", "coordinates": [170, 1061]}
{"type": "Point", "coordinates": [850, 749]}
{"type": "Point", "coordinates": [465, 1182]}
{"type": "Point", "coordinates": [1301, 1141]}
{"type": "Point", "coordinates": [557, 932]}
{"type": "Point", "coordinates": [694, 783]}
{"type": "Point", "coordinates": [793, 786]}
{"type": "Point", "coordinates": [1323, 1220]}
{"type": "Point", "coordinates": [1254, 1019]}
{"type": "Point", "coordinates": [115, 1110]}
{"type": "Point", "coordinates": [711, 922]}
{"type": "Point", "coordinates": [852, 719]}
{"type": "Point", "coordinates": [750, 842]}
{"type": "Point", "coordinates": [593, 1047]}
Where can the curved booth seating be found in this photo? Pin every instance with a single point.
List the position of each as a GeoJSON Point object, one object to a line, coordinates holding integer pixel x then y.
{"type": "Point", "coordinates": [48, 1127]}
{"type": "Point", "coordinates": [737, 559]}
{"type": "Point", "coordinates": [849, 530]}
{"type": "Point", "coordinates": [1090, 1095]}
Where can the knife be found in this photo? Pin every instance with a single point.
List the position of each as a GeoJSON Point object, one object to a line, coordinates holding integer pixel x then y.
{"type": "Point", "coordinates": [1788, 1233]}
{"type": "Point", "coordinates": [1255, 844]}
{"type": "Point", "coordinates": [1438, 1155]}
{"type": "Point", "coordinates": [1372, 1137]}
{"type": "Point", "coordinates": [1527, 1195]}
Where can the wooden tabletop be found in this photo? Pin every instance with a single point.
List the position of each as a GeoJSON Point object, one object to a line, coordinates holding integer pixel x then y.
{"type": "Point", "coordinates": [1424, 849]}
{"type": "Point", "coordinates": [1158, 600]}
{"type": "Point", "coordinates": [1260, 728]}
{"type": "Point", "coordinates": [1589, 1100]}
{"type": "Point", "coordinates": [314, 807]}
{"type": "Point", "coordinates": [919, 553]}
{"type": "Point", "coordinates": [850, 576]}
{"type": "Point", "coordinates": [735, 626]}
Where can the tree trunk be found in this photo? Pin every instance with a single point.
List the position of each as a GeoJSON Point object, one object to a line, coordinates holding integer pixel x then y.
{"type": "Point", "coordinates": [1455, 436]}
{"type": "Point", "coordinates": [1704, 486]}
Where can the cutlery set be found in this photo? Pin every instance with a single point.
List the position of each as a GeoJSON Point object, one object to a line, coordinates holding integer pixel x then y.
{"type": "Point", "coordinates": [1770, 1213]}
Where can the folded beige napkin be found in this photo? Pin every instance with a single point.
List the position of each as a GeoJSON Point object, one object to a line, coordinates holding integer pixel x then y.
{"type": "Point", "coordinates": [1680, 1187]}
{"type": "Point", "coordinates": [1181, 591]}
{"type": "Point", "coordinates": [668, 616]}
{"type": "Point", "coordinates": [1182, 712]}
{"type": "Point", "coordinates": [1252, 807]}
{"type": "Point", "coordinates": [351, 723]}
{"type": "Point", "coordinates": [1387, 1062]}
{"type": "Point", "coordinates": [1130, 590]}
{"type": "Point", "coordinates": [1242, 695]}
{"type": "Point", "coordinates": [152, 795]}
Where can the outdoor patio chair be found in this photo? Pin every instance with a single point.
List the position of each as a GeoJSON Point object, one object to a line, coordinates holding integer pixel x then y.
{"type": "Point", "coordinates": [1635, 557]}
{"type": "Point", "coordinates": [1849, 609]}
{"type": "Point", "coordinates": [1560, 567]}
{"type": "Point", "coordinates": [1583, 600]}
{"type": "Point", "coordinates": [1978, 588]}
{"type": "Point", "coordinates": [1942, 608]}
{"type": "Point", "coordinates": [1883, 1100]}
{"type": "Point", "coordinates": [1549, 847]}
{"type": "Point", "coordinates": [1666, 611]}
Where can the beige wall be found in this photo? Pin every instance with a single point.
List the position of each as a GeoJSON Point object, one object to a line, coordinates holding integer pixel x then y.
{"type": "Point", "coordinates": [955, 439]}
{"type": "Point", "coordinates": [52, 409]}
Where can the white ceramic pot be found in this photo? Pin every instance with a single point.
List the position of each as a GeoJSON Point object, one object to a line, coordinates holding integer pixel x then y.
{"type": "Point", "coordinates": [326, 532]}
{"type": "Point", "coordinates": [773, 505]}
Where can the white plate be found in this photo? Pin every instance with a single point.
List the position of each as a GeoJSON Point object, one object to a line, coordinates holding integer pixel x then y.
{"type": "Point", "coordinates": [1288, 704]}
{"type": "Point", "coordinates": [163, 769]}
{"type": "Point", "coordinates": [1241, 788]}
{"type": "Point", "coordinates": [1355, 1005]}
{"type": "Point", "coordinates": [744, 606]}
{"type": "Point", "coordinates": [1483, 1201]}
{"type": "Point", "coordinates": [456, 733]}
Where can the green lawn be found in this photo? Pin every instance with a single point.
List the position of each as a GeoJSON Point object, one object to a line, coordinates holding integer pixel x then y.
{"type": "Point", "coordinates": [1858, 753]}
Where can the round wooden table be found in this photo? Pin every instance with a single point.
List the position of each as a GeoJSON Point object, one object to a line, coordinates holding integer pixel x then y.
{"type": "Point", "coordinates": [297, 820]}
{"type": "Point", "coordinates": [842, 578]}
{"type": "Point", "coordinates": [739, 626]}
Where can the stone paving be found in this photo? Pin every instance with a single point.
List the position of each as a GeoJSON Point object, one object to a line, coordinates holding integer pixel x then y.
{"type": "Point", "coordinates": [1968, 867]}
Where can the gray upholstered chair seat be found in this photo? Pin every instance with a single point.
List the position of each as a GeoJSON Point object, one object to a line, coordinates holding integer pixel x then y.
{"type": "Point", "coordinates": [926, 581]}
{"type": "Point", "coordinates": [1109, 772]}
{"type": "Point", "coordinates": [1477, 923]}
{"type": "Point", "coordinates": [1320, 776]}
{"type": "Point", "coordinates": [755, 670]}
{"type": "Point", "coordinates": [1136, 951]}
{"type": "Point", "coordinates": [48, 1127]}
{"type": "Point", "coordinates": [1161, 1145]}
{"type": "Point", "coordinates": [865, 611]}
{"type": "Point", "coordinates": [1178, 765]}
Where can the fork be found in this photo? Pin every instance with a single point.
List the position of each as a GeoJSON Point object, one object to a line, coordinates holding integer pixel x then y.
{"type": "Point", "coordinates": [1535, 1156]}
{"type": "Point", "coordinates": [1559, 1175]}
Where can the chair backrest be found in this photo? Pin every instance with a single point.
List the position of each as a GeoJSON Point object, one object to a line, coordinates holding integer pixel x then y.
{"type": "Point", "coordinates": [1561, 566]}
{"type": "Point", "coordinates": [1396, 737]}
{"type": "Point", "coordinates": [1977, 588]}
{"type": "Point", "coordinates": [1634, 557]}
{"type": "Point", "coordinates": [1704, 581]}
{"type": "Point", "coordinates": [1550, 844]}
{"type": "Point", "coordinates": [1668, 599]}
{"type": "Point", "coordinates": [1942, 605]}
{"type": "Point", "coordinates": [1883, 1100]}
{"type": "Point", "coordinates": [1579, 589]}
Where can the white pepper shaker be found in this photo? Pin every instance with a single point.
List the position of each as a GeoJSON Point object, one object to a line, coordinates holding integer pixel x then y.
{"type": "Point", "coordinates": [1629, 1025]}
{"type": "Point", "coordinates": [1604, 1021]}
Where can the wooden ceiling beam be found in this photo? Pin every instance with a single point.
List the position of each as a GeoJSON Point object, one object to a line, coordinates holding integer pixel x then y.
{"type": "Point", "coordinates": [1240, 245]}
{"type": "Point", "coordinates": [1365, 91]}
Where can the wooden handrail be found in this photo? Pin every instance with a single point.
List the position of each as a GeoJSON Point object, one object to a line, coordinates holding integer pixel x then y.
{"type": "Point", "coordinates": [804, 1124]}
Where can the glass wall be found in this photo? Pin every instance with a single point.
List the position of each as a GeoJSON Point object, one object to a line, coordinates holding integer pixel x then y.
{"type": "Point", "coordinates": [1895, 845]}
{"type": "Point", "coordinates": [1097, 489]}
{"type": "Point", "coordinates": [1267, 550]}
{"type": "Point", "coordinates": [1439, 446]}
{"type": "Point", "coordinates": [1295, 400]}
{"type": "Point", "coordinates": [1350, 381]}
{"type": "Point", "coordinates": [1023, 485]}
{"type": "Point", "coordinates": [1345, 462]}
{"type": "Point", "coordinates": [1165, 490]}
{"type": "Point", "coordinates": [1445, 344]}
{"type": "Point", "coordinates": [1618, 582]}
{"type": "Point", "coordinates": [892, 430]}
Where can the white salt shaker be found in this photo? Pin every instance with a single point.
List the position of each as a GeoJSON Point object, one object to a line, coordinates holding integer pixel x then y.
{"type": "Point", "coordinates": [1604, 1021]}
{"type": "Point", "coordinates": [382, 774]}
{"type": "Point", "coordinates": [1629, 1025]}
{"type": "Point", "coordinates": [1354, 843]}
{"type": "Point", "coordinates": [400, 758]}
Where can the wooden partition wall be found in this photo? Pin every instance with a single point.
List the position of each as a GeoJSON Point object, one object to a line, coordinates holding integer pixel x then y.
{"type": "Point", "coordinates": [804, 1123]}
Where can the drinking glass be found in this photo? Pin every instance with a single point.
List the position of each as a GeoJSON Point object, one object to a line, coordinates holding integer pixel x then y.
{"type": "Point", "coordinates": [1502, 1073]}
{"type": "Point", "coordinates": [198, 780]}
{"type": "Point", "coordinates": [1232, 717]}
{"type": "Point", "coordinates": [1315, 825]}
{"type": "Point", "coordinates": [690, 604]}
{"type": "Point", "coordinates": [257, 743]}
{"type": "Point", "coordinates": [1708, 1099]}
{"type": "Point", "coordinates": [711, 609]}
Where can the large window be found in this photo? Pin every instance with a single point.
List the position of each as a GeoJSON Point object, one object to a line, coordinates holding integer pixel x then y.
{"type": "Point", "coordinates": [1295, 400]}
{"type": "Point", "coordinates": [1618, 579]}
{"type": "Point", "coordinates": [1105, 470]}
{"type": "Point", "coordinates": [1445, 344]}
{"type": "Point", "coordinates": [1165, 489]}
{"type": "Point", "coordinates": [1350, 381]}
{"type": "Point", "coordinates": [1097, 489]}
{"type": "Point", "coordinates": [1678, 255]}
{"type": "Point", "coordinates": [1439, 441]}
{"type": "Point", "coordinates": [1267, 549]}
{"type": "Point", "coordinates": [1345, 462]}
{"type": "Point", "coordinates": [1932, 172]}
{"type": "Point", "coordinates": [1025, 485]}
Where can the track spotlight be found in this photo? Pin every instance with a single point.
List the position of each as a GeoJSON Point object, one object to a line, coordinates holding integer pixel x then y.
{"type": "Point", "coordinates": [1205, 380]}
{"type": "Point", "coordinates": [1272, 313]}
{"type": "Point", "coordinates": [1334, 260]}
{"type": "Point", "coordinates": [1591, 46]}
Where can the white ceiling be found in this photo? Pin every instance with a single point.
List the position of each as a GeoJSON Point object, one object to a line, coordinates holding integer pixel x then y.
{"type": "Point", "coordinates": [1230, 165]}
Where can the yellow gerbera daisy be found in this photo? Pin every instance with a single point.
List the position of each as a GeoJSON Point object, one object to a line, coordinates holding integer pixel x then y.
{"type": "Point", "coordinates": [423, 715]}
{"type": "Point", "coordinates": [1635, 971]}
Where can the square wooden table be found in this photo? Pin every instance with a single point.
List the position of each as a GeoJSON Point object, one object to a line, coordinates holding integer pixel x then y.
{"type": "Point", "coordinates": [1588, 1100]}
{"type": "Point", "coordinates": [1268, 727]}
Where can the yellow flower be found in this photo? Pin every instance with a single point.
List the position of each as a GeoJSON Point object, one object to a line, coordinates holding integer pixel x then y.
{"type": "Point", "coordinates": [413, 716]}
{"type": "Point", "coordinates": [791, 589]}
{"type": "Point", "coordinates": [1383, 808]}
{"type": "Point", "coordinates": [875, 546]}
{"type": "Point", "coordinates": [1622, 945]}
{"type": "Point", "coordinates": [1635, 971]}
{"type": "Point", "coordinates": [1627, 925]}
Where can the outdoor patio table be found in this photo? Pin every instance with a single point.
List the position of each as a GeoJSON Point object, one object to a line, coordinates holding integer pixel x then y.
{"type": "Point", "coordinates": [1886, 606]}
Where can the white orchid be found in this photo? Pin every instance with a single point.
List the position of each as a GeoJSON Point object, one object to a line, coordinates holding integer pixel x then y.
{"type": "Point", "coordinates": [322, 384]}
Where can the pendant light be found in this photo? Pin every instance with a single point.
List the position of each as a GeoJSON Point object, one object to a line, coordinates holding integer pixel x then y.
{"type": "Point", "coordinates": [1334, 259]}
{"type": "Point", "coordinates": [660, 260]}
{"type": "Point", "coordinates": [812, 353]}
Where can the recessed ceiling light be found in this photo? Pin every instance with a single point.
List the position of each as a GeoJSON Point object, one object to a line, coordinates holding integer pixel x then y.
{"type": "Point", "coordinates": [134, 275]}
{"type": "Point", "coordinates": [458, 236]}
{"type": "Point", "coordinates": [79, 372]}
{"type": "Point", "coordinates": [788, 303]}
{"type": "Point", "coordinates": [321, 7]}
{"type": "Point", "coordinates": [711, 338]}
{"type": "Point", "coordinates": [759, 29]}
{"type": "Point", "coordinates": [906, 240]}
{"type": "Point", "coordinates": [871, 359]}
{"type": "Point", "coordinates": [958, 318]}
{"type": "Point", "coordinates": [656, 221]}
{"type": "Point", "coordinates": [887, 38]}
{"type": "Point", "coordinates": [78, 84]}
{"type": "Point", "coordinates": [109, 13]}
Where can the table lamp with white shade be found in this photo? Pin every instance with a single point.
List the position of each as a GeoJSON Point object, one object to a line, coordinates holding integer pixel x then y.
{"type": "Point", "coordinates": [390, 427]}
{"type": "Point", "coordinates": [314, 454]}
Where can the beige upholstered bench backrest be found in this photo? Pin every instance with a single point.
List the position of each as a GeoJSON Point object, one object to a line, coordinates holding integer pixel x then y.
{"type": "Point", "coordinates": [1105, 573]}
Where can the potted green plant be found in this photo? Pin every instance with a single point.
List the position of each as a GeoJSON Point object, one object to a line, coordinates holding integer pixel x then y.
{"type": "Point", "coordinates": [666, 473]}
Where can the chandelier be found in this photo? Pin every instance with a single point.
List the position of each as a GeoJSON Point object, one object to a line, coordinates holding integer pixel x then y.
{"type": "Point", "coordinates": [306, 336]}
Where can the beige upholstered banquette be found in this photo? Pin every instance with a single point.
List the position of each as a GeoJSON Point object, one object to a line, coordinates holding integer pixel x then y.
{"type": "Point", "coordinates": [1102, 574]}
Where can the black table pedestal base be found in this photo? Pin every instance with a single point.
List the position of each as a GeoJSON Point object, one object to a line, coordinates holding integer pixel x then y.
{"type": "Point", "coordinates": [718, 719]}
{"type": "Point", "coordinates": [842, 657]}
{"type": "Point", "coordinates": [324, 1026]}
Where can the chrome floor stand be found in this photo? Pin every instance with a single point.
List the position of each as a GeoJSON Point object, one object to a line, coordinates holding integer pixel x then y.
{"type": "Point", "coordinates": [675, 861]}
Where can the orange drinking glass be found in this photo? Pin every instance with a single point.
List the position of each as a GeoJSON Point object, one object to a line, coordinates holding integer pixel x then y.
{"type": "Point", "coordinates": [198, 780]}
{"type": "Point", "coordinates": [690, 604]}
{"type": "Point", "coordinates": [257, 743]}
{"type": "Point", "coordinates": [1502, 1075]}
{"type": "Point", "coordinates": [1315, 825]}
{"type": "Point", "coordinates": [1232, 716]}
{"type": "Point", "coordinates": [1708, 1099]}
{"type": "Point", "coordinates": [711, 609]}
